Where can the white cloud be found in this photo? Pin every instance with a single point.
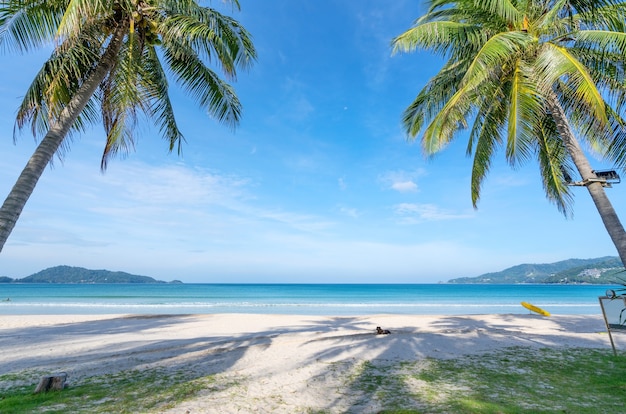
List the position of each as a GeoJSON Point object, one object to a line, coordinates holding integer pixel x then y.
{"type": "Point", "coordinates": [294, 221]}
{"type": "Point", "coordinates": [404, 186]}
{"type": "Point", "coordinates": [282, 258]}
{"type": "Point", "coordinates": [415, 213]}
{"type": "Point", "coordinates": [153, 206]}
{"type": "Point", "coordinates": [510, 180]}
{"type": "Point", "coordinates": [402, 181]}
{"type": "Point", "coordinates": [173, 184]}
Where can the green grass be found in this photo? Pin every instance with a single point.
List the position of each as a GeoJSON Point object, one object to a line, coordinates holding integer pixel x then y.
{"type": "Point", "coordinates": [125, 392]}
{"type": "Point", "coordinates": [519, 380]}
{"type": "Point", "coordinates": [516, 380]}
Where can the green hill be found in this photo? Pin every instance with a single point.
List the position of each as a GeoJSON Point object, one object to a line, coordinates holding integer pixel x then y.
{"type": "Point", "coordinates": [69, 274]}
{"type": "Point", "coordinates": [602, 270]}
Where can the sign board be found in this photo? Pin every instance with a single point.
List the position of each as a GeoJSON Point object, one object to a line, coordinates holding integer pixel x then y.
{"type": "Point", "coordinates": [614, 312]}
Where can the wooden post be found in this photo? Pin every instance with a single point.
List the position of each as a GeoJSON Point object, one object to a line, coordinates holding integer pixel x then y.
{"type": "Point", "coordinates": [608, 325]}
{"type": "Point", "coordinates": [54, 382]}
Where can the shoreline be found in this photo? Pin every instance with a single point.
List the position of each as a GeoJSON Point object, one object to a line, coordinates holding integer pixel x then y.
{"type": "Point", "coordinates": [295, 357]}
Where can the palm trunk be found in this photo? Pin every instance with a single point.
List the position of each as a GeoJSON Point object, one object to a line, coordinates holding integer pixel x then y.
{"type": "Point", "coordinates": [598, 195]}
{"type": "Point", "coordinates": [26, 182]}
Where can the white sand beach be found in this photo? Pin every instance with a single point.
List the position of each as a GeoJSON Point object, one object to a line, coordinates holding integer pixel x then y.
{"type": "Point", "coordinates": [279, 363]}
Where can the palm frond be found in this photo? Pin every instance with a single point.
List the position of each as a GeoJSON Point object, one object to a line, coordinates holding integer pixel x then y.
{"type": "Point", "coordinates": [214, 37]}
{"type": "Point", "coordinates": [452, 118]}
{"type": "Point", "coordinates": [554, 165]}
{"type": "Point", "coordinates": [601, 41]}
{"type": "Point", "coordinates": [617, 150]}
{"type": "Point", "coordinates": [504, 9]}
{"type": "Point", "coordinates": [122, 97]}
{"type": "Point", "coordinates": [203, 85]}
{"type": "Point", "coordinates": [77, 12]}
{"type": "Point", "coordinates": [440, 37]}
{"type": "Point", "coordinates": [26, 25]}
{"type": "Point", "coordinates": [525, 111]}
{"type": "Point", "coordinates": [433, 96]}
{"type": "Point", "coordinates": [595, 132]}
{"type": "Point", "coordinates": [53, 87]}
{"type": "Point", "coordinates": [485, 139]}
{"type": "Point", "coordinates": [556, 63]}
{"type": "Point", "coordinates": [160, 109]}
{"type": "Point", "coordinates": [499, 51]}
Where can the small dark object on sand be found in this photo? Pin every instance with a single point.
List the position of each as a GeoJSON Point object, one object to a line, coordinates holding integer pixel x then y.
{"type": "Point", "coordinates": [52, 382]}
{"type": "Point", "coordinates": [380, 331]}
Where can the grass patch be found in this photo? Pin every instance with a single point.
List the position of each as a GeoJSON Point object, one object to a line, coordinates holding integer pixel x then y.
{"type": "Point", "coordinates": [378, 382]}
{"type": "Point", "coordinates": [125, 392]}
{"type": "Point", "coordinates": [517, 380]}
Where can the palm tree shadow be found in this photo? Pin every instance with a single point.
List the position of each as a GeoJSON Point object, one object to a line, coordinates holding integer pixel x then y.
{"type": "Point", "coordinates": [198, 356]}
{"type": "Point", "coordinates": [348, 347]}
{"type": "Point", "coordinates": [374, 380]}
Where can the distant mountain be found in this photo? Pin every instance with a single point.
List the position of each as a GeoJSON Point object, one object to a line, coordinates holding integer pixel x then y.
{"type": "Point", "coordinates": [602, 270]}
{"type": "Point", "coordinates": [69, 274]}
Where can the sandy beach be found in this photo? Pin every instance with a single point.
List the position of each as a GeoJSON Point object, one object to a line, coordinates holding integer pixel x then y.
{"type": "Point", "coordinates": [277, 363]}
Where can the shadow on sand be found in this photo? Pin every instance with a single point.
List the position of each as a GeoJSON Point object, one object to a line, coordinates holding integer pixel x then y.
{"type": "Point", "coordinates": [339, 338]}
{"type": "Point", "coordinates": [446, 337]}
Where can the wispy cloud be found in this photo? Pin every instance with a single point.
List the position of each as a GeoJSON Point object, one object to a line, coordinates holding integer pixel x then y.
{"type": "Point", "coordinates": [510, 180]}
{"type": "Point", "coordinates": [404, 186]}
{"type": "Point", "coordinates": [147, 204]}
{"type": "Point", "coordinates": [348, 211]}
{"type": "Point", "coordinates": [301, 222]}
{"type": "Point", "coordinates": [411, 213]}
{"type": "Point", "coordinates": [402, 181]}
{"type": "Point", "coordinates": [342, 183]}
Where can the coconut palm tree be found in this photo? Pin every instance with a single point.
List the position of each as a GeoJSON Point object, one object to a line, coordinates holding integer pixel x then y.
{"type": "Point", "coordinates": [534, 78]}
{"type": "Point", "coordinates": [109, 65]}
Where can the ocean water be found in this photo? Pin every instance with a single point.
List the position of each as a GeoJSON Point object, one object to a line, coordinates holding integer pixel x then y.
{"type": "Point", "coordinates": [302, 299]}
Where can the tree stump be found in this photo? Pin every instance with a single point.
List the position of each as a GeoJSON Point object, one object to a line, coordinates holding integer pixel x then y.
{"type": "Point", "coordinates": [54, 382]}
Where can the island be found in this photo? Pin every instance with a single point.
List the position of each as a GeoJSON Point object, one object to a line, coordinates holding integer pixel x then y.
{"type": "Point", "coordinates": [599, 271]}
{"type": "Point", "coordinates": [71, 274]}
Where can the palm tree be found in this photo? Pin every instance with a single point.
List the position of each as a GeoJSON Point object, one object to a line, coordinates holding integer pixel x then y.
{"type": "Point", "coordinates": [532, 77]}
{"type": "Point", "coordinates": [109, 64]}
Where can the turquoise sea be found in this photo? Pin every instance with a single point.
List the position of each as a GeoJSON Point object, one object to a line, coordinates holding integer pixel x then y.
{"type": "Point", "coordinates": [303, 299]}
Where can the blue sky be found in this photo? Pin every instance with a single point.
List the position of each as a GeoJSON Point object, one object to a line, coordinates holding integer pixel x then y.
{"type": "Point", "coordinates": [318, 183]}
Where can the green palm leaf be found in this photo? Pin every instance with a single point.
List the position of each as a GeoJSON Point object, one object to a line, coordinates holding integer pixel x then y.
{"type": "Point", "coordinates": [105, 61]}
{"type": "Point", "coordinates": [533, 76]}
{"type": "Point", "coordinates": [555, 64]}
{"type": "Point", "coordinates": [28, 25]}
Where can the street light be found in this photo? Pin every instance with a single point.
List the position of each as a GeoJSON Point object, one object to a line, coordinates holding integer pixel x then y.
{"type": "Point", "coordinates": [605, 177]}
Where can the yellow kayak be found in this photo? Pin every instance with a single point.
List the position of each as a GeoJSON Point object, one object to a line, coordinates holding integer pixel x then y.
{"type": "Point", "coordinates": [536, 309]}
